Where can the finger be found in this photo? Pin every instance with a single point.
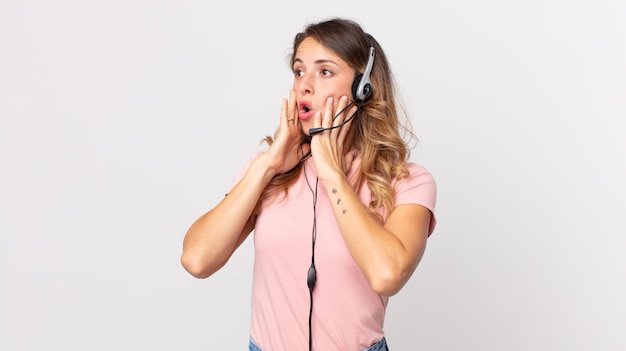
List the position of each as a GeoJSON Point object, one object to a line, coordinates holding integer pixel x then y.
{"type": "Point", "coordinates": [351, 114]}
{"type": "Point", "coordinates": [317, 120]}
{"type": "Point", "coordinates": [343, 131]}
{"type": "Point", "coordinates": [292, 109]}
{"type": "Point", "coordinates": [283, 112]}
{"type": "Point", "coordinates": [340, 111]}
{"type": "Point", "coordinates": [340, 115]}
{"type": "Point", "coordinates": [327, 121]}
{"type": "Point", "coordinates": [349, 158]}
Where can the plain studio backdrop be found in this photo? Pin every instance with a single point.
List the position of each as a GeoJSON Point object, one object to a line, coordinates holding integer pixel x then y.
{"type": "Point", "coordinates": [123, 121]}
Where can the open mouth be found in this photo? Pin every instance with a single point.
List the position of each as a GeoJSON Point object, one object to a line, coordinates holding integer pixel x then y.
{"type": "Point", "coordinates": [305, 111]}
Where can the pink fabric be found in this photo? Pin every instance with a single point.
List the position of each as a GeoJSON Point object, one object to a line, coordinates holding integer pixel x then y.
{"type": "Point", "coordinates": [347, 313]}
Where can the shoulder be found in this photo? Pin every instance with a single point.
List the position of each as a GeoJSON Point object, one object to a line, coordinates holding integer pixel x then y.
{"type": "Point", "coordinates": [417, 174]}
{"type": "Point", "coordinates": [418, 187]}
{"type": "Point", "coordinates": [243, 169]}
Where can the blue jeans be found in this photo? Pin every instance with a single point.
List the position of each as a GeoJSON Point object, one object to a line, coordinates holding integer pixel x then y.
{"type": "Point", "coordinates": [379, 346]}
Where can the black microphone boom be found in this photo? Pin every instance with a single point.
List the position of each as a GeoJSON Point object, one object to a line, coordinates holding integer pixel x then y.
{"type": "Point", "coordinates": [313, 131]}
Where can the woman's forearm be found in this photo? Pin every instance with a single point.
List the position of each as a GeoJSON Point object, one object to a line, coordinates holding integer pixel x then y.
{"type": "Point", "coordinates": [212, 238]}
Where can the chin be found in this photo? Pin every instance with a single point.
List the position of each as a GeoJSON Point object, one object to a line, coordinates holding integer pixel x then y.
{"type": "Point", "coordinates": [305, 128]}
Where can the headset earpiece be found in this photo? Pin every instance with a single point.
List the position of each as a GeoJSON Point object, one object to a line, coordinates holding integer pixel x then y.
{"type": "Point", "coordinates": [362, 85]}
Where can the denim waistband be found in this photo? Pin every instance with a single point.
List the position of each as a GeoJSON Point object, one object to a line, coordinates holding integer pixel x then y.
{"type": "Point", "coordinates": [253, 346]}
{"type": "Point", "coordinates": [379, 346]}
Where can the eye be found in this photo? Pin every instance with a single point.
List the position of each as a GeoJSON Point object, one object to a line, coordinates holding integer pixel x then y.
{"type": "Point", "coordinates": [326, 72]}
{"type": "Point", "coordinates": [297, 72]}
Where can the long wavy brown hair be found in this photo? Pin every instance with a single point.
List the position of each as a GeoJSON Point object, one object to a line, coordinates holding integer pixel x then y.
{"type": "Point", "coordinates": [379, 137]}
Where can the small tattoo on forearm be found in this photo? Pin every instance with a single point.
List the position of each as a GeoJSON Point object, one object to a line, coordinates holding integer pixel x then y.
{"type": "Point", "coordinates": [334, 191]}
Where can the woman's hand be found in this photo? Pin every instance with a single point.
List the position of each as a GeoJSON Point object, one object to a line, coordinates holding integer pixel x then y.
{"type": "Point", "coordinates": [329, 147]}
{"type": "Point", "coordinates": [286, 151]}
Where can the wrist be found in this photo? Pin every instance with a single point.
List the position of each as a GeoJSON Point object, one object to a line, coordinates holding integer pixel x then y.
{"type": "Point", "coordinates": [265, 166]}
{"type": "Point", "coordinates": [332, 178]}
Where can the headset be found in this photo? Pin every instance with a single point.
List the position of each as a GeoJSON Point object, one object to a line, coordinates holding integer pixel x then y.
{"type": "Point", "coordinates": [361, 91]}
{"type": "Point", "coordinates": [362, 86]}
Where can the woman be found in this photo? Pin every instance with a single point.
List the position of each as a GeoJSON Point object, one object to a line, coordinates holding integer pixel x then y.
{"type": "Point", "coordinates": [333, 197]}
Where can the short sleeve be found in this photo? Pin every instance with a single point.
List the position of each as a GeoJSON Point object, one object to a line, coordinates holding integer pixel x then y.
{"type": "Point", "coordinates": [243, 170]}
{"type": "Point", "coordinates": [418, 188]}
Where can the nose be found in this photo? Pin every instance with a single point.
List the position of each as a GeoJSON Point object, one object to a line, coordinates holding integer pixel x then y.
{"type": "Point", "coordinates": [303, 85]}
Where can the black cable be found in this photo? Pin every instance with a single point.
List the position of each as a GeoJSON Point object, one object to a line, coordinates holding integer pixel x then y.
{"type": "Point", "coordinates": [313, 131]}
{"type": "Point", "coordinates": [312, 274]}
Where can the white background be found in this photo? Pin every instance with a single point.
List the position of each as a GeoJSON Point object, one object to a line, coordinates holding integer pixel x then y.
{"type": "Point", "coordinates": [121, 122]}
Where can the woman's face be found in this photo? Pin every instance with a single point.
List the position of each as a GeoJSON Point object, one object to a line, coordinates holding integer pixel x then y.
{"type": "Point", "coordinates": [319, 74]}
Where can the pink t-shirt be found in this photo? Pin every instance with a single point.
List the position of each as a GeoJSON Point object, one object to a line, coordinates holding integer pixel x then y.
{"type": "Point", "coordinates": [347, 314]}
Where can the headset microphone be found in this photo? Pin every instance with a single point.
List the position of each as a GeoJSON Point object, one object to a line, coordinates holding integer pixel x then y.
{"type": "Point", "coordinates": [313, 131]}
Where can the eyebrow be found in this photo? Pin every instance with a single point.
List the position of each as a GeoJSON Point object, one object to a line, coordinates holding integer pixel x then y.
{"type": "Point", "coordinates": [317, 62]}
